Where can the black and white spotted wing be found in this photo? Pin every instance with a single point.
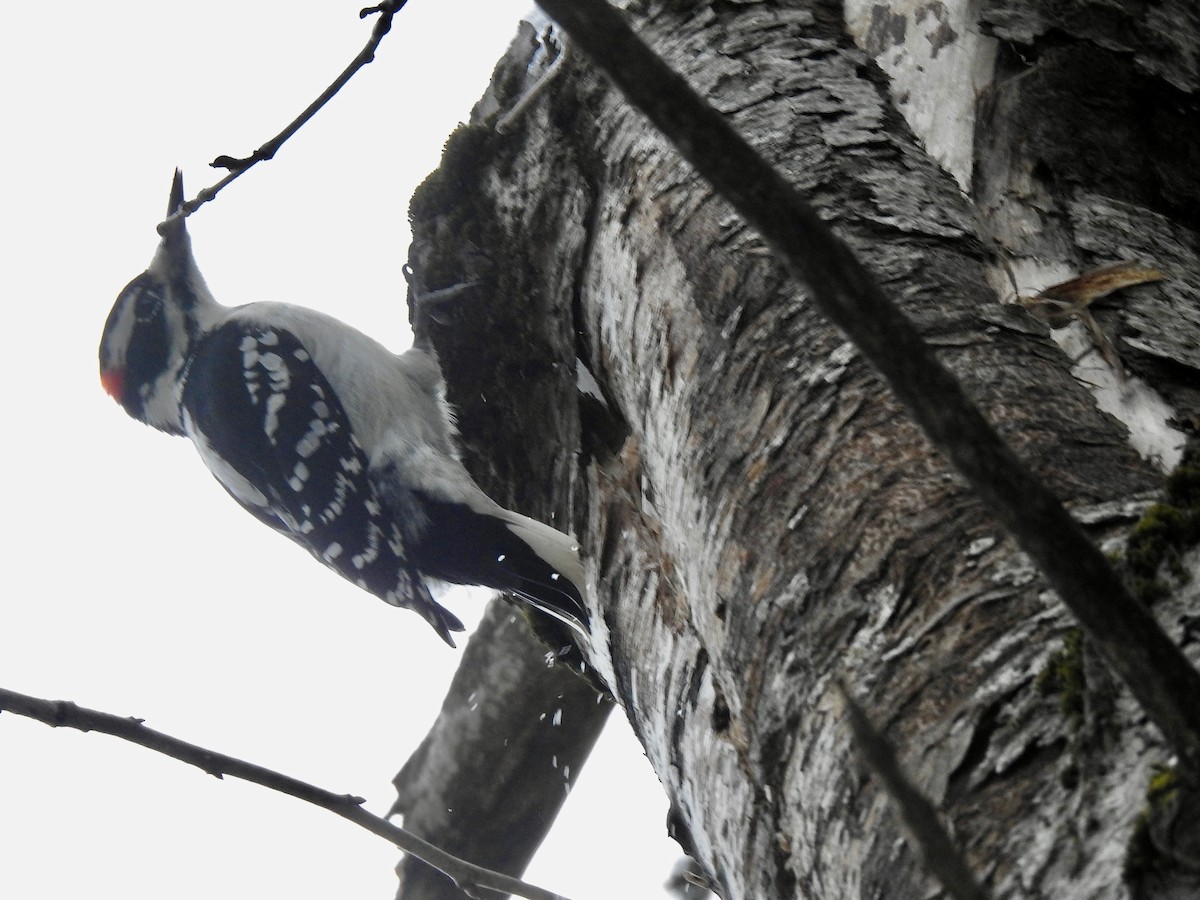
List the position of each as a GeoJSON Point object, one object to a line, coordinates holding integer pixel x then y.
{"type": "Point", "coordinates": [273, 432]}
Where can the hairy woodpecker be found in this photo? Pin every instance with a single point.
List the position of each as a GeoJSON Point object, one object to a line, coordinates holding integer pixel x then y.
{"type": "Point", "coordinates": [326, 436]}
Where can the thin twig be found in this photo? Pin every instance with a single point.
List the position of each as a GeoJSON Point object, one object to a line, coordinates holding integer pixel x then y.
{"type": "Point", "coordinates": [942, 856]}
{"type": "Point", "coordinates": [64, 713]}
{"type": "Point", "coordinates": [1122, 629]}
{"type": "Point", "coordinates": [239, 166]}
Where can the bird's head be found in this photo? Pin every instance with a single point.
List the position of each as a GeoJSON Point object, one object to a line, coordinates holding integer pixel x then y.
{"type": "Point", "coordinates": [152, 326]}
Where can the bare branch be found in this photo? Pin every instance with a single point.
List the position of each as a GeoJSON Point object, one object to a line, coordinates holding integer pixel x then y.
{"type": "Point", "coordinates": [942, 857]}
{"type": "Point", "coordinates": [239, 166]}
{"type": "Point", "coordinates": [58, 713]}
{"type": "Point", "coordinates": [1127, 635]}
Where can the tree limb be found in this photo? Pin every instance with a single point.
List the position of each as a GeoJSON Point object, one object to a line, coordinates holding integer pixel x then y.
{"type": "Point", "coordinates": [64, 713]}
{"type": "Point", "coordinates": [1127, 635]}
{"type": "Point", "coordinates": [489, 778]}
{"type": "Point", "coordinates": [239, 166]}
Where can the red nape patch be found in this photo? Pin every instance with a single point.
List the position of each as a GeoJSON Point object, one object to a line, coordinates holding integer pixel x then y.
{"type": "Point", "coordinates": [112, 381]}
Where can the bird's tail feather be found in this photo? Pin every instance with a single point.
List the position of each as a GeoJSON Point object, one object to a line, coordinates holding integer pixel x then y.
{"type": "Point", "coordinates": [562, 597]}
{"type": "Point", "coordinates": [507, 551]}
{"type": "Point", "coordinates": [559, 550]}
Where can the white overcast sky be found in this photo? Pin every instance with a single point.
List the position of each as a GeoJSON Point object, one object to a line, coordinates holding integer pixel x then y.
{"type": "Point", "coordinates": [131, 582]}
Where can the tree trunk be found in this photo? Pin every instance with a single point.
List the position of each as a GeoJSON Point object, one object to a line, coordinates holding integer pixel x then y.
{"type": "Point", "coordinates": [761, 522]}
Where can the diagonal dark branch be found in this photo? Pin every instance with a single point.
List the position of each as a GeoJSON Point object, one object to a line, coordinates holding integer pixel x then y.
{"type": "Point", "coordinates": [505, 717]}
{"type": "Point", "coordinates": [239, 166]}
{"type": "Point", "coordinates": [58, 713]}
{"type": "Point", "coordinates": [942, 856]}
{"type": "Point", "coordinates": [1128, 637]}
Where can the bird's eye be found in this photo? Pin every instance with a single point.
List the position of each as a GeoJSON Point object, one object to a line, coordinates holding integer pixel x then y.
{"type": "Point", "coordinates": [148, 306]}
{"type": "Point", "coordinates": [147, 349]}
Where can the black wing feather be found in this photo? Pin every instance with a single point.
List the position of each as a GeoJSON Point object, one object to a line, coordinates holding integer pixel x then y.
{"type": "Point", "coordinates": [257, 399]}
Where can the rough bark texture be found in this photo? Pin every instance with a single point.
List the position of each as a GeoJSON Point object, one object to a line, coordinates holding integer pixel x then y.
{"type": "Point", "coordinates": [759, 518]}
{"type": "Point", "coordinates": [519, 720]}
{"type": "Point", "coordinates": [1087, 153]}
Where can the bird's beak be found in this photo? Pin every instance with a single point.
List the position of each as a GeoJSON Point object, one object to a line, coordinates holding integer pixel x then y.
{"type": "Point", "coordinates": [176, 199]}
{"type": "Point", "coordinates": [174, 234]}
